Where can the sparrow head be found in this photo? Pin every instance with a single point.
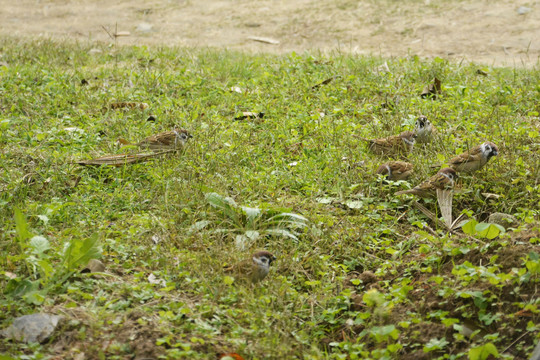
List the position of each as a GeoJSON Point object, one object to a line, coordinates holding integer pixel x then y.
{"type": "Point", "coordinates": [263, 258]}
{"type": "Point", "coordinates": [384, 169]}
{"type": "Point", "coordinates": [449, 173]}
{"type": "Point", "coordinates": [421, 123]}
{"type": "Point", "coordinates": [409, 137]}
{"type": "Point", "coordinates": [182, 135]}
{"type": "Point", "coordinates": [489, 149]}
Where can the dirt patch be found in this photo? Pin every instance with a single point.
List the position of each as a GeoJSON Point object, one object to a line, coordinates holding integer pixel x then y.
{"type": "Point", "coordinates": [425, 298]}
{"type": "Point", "coordinates": [130, 338]}
{"type": "Point", "coordinates": [505, 32]}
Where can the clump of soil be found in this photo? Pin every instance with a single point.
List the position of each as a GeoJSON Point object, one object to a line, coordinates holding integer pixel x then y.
{"type": "Point", "coordinates": [425, 299]}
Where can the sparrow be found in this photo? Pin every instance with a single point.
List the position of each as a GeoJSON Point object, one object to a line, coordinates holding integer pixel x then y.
{"type": "Point", "coordinates": [396, 144]}
{"type": "Point", "coordinates": [396, 170]}
{"type": "Point", "coordinates": [443, 180]}
{"type": "Point", "coordinates": [424, 130]}
{"type": "Point", "coordinates": [474, 159]}
{"type": "Point", "coordinates": [254, 269]}
{"type": "Point", "coordinates": [175, 139]}
{"type": "Point", "coordinates": [168, 140]}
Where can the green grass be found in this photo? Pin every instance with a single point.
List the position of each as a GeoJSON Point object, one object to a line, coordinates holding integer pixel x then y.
{"type": "Point", "coordinates": [368, 277]}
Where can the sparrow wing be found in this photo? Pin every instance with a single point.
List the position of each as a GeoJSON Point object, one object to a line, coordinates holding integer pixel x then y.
{"type": "Point", "coordinates": [244, 268]}
{"type": "Point", "coordinates": [166, 138]}
{"type": "Point", "coordinates": [400, 167]}
{"type": "Point", "coordinates": [425, 189]}
{"type": "Point", "coordinates": [396, 170]}
{"type": "Point", "coordinates": [439, 181]}
{"type": "Point", "coordinates": [474, 154]}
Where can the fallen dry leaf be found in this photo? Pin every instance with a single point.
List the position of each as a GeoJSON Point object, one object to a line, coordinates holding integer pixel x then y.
{"type": "Point", "coordinates": [324, 82]}
{"type": "Point", "coordinates": [122, 33]}
{"type": "Point", "coordinates": [432, 90]}
{"type": "Point", "coordinates": [264, 40]}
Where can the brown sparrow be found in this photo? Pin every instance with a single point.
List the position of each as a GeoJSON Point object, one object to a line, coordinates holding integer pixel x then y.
{"type": "Point", "coordinates": [472, 160]}
{"type": "Point", "coordinates": [443, 180]}
{"type": "Point", "coordinates": [175, 139]}
{"type": "Point", "coordinates": [254, 269]}
{"type": "Point", "coordinates": [397, 144]}
{"type": "Point", "coordinates": [424, 130]}
{"type": "Point", "coordinates": [396, 170]}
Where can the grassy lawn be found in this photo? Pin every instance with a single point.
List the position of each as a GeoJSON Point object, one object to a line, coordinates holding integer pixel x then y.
{"type": "Point", "coordinates": [360, 273]}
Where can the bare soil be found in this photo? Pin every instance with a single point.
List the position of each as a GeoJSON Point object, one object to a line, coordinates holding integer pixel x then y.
{"type": "Point", "coordinates": [494, 33]}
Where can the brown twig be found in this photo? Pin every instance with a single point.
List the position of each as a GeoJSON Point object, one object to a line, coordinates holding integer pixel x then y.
{"type": "Point", "coordinates": [515, 341]}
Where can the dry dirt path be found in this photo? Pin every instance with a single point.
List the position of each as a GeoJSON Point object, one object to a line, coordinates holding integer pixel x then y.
{"type": "Point", "coordinates": [492, 32]}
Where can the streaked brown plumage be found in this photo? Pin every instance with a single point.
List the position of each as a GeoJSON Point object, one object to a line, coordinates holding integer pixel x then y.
{"type": "Point", "coordinates": [254, 269]}
{"type": "Point", "coordinates": [401, 144]}
{"type": "Point", "coordinates": [175, 139]}
{"type": "Point", "coordinates": [443, 180]}
{"type": "Point", "coordinates": [396, 170]}
{"type": "Point", "coordinates": [474, 159]}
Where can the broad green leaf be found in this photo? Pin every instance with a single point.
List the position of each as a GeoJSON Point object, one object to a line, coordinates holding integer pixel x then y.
{"type": "Point", "coordinates": [469, 227]}
{"type": "Point", "coordinates": [373, 298]}
{"type": "Point", "coordinates": [483, 352]}
{"type": "Point", "coordinates": [325, 200]}
{"type": "Point", "coordinates": [39, 244]}
{"type": "Point", "coordinates": [46, 269]}
{"type": "Point", "coordinates": [281, 232]}
{"type": "Point", "coordinates": [291, 216]}
{"type": "Point", "coordinates": [34, 297]}
{"type": "Point", "coordinates": [251, 213]}
{"type": "Point", "coordinates": [383, 333]}
{"type": "Point", "coordinates": [354, 204]}
{"type": "Point", "coordinates": [227, 205]}
{"type": "Point", "coordinates": [253, 235]}
{"type": "Point", "coordinates": [79, 252]}
{"type": "Point", "coordinates": [489, 231]}
{"type": "Point", "coordinates": [435, 344]}
{"type": "Point", "coordinates": [44, 218]}
{"type": "Point", "coordinates": [198, 226]}
{"type": "Point", "coordinates": [21, 226]}
{"type": "Point", "coordinates": [241, 242]}
{"type": "Point", "coordinates": [17, 288]}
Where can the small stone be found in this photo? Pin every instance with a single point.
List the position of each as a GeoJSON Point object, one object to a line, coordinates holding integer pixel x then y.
{"type": "Point", "coordinates": [34, 328]}
{"type": "Point", "coordinates": [144, 27]}
{"type": "Point", "coordinates": [94, 266]}
{"type": "Point", "coordinates": [522, 10]}
{"type": "Point", "coordinates": [505, 220]}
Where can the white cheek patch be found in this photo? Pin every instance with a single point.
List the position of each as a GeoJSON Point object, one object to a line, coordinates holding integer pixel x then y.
{"type": "Point", "coordinates": [449, 177]}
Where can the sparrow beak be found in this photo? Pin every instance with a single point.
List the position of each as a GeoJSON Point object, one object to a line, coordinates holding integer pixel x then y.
{"type": "Point", "coordinates": [190, 136]}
